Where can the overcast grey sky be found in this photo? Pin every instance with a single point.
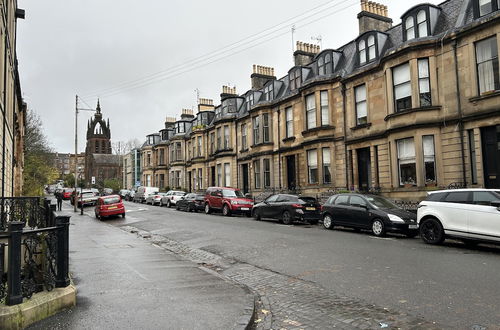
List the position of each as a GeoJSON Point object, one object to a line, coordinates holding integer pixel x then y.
{"type": "Point", "coordinates": [89, 47]}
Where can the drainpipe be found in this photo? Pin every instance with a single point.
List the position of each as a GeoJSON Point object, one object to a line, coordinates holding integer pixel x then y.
{"type": "Point", "coordinates": [344, 111]}
{"type": "Point", "coordinates": [460, 114]}
{"type": "Point", "coordinates": [279, 151]}
{"type": "Point", "coordinates": [236, 149]}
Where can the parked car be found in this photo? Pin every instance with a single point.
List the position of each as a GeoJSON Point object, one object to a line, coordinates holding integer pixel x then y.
{"type": "Point", "coordinates": [109, 205]}
{"type": "Point", "coordinates": [228, 200]}
{"type": "Point", "coordinates": [123, 193]}
{"type": "Point", "coordinates": [288, 208]}
{"type": "Point", "coordinates": [130, 195]}
{"type": "Point", "coordinates": [154, 198]}
{"type": "Point", "coordinates": [107, 191]}
{"type": "Point", "coordinates": [67, 193]}
{"type": "Point", "coordinates": [472, 215]}
{"type": "Point", "coordinates": [143, 192]}
{"type": "Point", "coordinates": [86, 198]}
{"type": "Point", "coordinates": [191, 202]}
{"type": "Point", "coordinates": [171, 197]}
{"type": "Point", "coordinates": [373, 212]}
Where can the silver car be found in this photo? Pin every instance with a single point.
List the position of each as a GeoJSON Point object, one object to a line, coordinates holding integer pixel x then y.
{"type": "Point", "coordinates": [171, 197]}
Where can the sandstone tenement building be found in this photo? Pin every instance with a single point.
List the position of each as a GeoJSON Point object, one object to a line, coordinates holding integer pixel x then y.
{"type": "Point", "coordinates": [400, 109]}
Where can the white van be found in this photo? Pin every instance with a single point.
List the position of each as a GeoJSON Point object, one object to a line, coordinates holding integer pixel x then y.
{"type": "Point", "coordinates": [143, 192]}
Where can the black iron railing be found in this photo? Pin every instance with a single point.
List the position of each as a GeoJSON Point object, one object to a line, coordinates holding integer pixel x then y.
{"type": "Point", "coordinates": [36, 242]}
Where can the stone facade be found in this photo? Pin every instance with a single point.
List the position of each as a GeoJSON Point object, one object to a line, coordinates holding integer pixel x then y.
{"type": "Point", "coordinates": [132, 169]}
{"type": "Point", "coordinates": [399, 110]}
{"type": "Point", "coordinates": [12, 106]}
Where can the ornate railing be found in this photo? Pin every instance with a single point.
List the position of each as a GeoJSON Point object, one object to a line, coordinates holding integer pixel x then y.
{"type": "Point", "coordinates": [36, 242]}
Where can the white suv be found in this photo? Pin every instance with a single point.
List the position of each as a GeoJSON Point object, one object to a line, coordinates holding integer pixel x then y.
{"type": "Point", "coordinates": [471, 215]}
{"type": "Point", "coordinates": [171, 197]}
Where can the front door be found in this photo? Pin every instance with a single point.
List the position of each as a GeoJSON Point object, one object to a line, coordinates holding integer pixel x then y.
{"type": "Point", "coordinates": [364, 169]}
{"type": "Point", "coordinates": [290, 172]}
{"type": "Point", "coordinates": [244, 175]}
{"type": "Point", "coordinates": [212, 176]}
{"type": "Point", "coordinates": [490, 137]}
{"type": "Point", "coordinates": [190, 181]}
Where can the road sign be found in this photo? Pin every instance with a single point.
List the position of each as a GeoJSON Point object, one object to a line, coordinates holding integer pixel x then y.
{"type": "Point", "coordinates": [93, 180]}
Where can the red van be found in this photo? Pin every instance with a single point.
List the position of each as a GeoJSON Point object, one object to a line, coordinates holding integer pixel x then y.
{"type": "Point", "coordinates": [228, 200]}
{"type": "Point", "coordinates": [109, 205]}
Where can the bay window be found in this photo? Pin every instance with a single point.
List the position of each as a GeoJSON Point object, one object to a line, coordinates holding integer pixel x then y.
{"type": "Point", "coordinates": [219, 138]}
{"type": "Point", "coordinates": [265, 127]}
{"type": "Point", "coordinates": [312, 166]}
{"type": "Point", "coordinates": [226, 137]}
{"type": "Point", "coordinates": [256, 173]}
{"type": "Point", "coordinates": [219, 174]}
{"type": "Point", "coordinates": [327, 173]}
{"type": "Point", "coordinates": [267, 173]}
{"type": "Point", "coordinates": [310, 111]}
{"type": "Point", "coordinates": [325, 109]}
{"type": "Point", "coordinates": [429, 159]}
{"type": "Point", "coordinates": [227, 175]}
{"type": "Point", "coordinates": [424, 84]}
{"type": "Point", "coordinates": [244, 145]}
{"type": "Point", "coordinates": [487, 65]}
{"type": "Point", "coordinates": [402, 86]}
{"type": "Point", "coordinates": [361, 107]}
{"type": "Point", "coordinates": [256, 130]}
{"type": "Point", "coordinates": [406, 162]}
{"type": "Point", "coordinates": [289, 121]}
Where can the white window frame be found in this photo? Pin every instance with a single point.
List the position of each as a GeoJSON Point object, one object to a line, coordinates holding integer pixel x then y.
{"type": "Point", "coordinates": [312, 166]}
{"type": "Point", "coordinates": [289, 122]}
{"type": "Point", "coordinates": [325, 108]}
{"type": "Point", "coordinates": [360, 99]}
{"type": "Point", "coordinates": [311, 111]}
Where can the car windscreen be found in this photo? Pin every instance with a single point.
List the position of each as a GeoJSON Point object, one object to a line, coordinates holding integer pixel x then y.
{"type": "Point", "coordinates": [231, 193]}
{"type": "Point", "coordinates": [87, 195]}
{"type": "Point", "coordinates": [381, 202]}
{"type": "Point", "coordinates": [111, 200]}
{"type": "Point", "coordinates": [308, 200]}
{"type": "Point", "coordinates": [179, 193]}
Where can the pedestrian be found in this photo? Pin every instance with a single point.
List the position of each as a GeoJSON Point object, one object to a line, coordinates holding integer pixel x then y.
{"type": "Point", "coordinates": [59, 200]}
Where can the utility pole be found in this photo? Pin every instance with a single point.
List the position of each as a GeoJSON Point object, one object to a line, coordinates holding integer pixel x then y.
{"type": "Point", "coordinates": [76, 150]}
{"type": "Point", "coordinates": [293, 44]}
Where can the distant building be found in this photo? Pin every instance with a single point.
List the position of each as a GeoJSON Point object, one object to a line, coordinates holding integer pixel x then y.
{"type": "Point", "coordinates": [132, 169]}
{"type": "Point", "coordinates": [100, 164]}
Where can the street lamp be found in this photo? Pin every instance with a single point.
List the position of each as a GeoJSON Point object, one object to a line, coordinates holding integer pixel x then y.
{"type": "Point", "coordinates": [77, 109]}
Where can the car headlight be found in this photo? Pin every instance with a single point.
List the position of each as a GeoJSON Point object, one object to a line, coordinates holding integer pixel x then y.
{"type": "Point", "coordinates": [395, 218]}
{"type": "Point", "coordinates": [234, 202]}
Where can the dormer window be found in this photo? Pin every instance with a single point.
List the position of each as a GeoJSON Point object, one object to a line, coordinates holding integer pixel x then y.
{"type": "Point", "coordinates": [217, 112]}
{"type": "Point", "coordinates": [410, 28]}
{"type": "Point", "coordinates": [249, 100]}
{"type": "Point", "coordinates": [180, 128]}
{"type": "Point", "coordinates": [269, 92]}
{"type": "Point", "coordinates": [485, 7]}
{"type": "Point", "coordinates": [422, 24]}
{"type": "Point", "coordinates": [325, 64]}
{"type": "Point", "coordinates": [367, 49]}
{"type": "Point", "coordinates": [295, 79]}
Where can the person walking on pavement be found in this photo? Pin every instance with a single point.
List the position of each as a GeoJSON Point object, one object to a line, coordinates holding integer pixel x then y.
{"type": "Point", "coordinates": [59, 200]}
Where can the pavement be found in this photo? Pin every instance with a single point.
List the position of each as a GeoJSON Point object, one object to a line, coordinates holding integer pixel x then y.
{"type": "Point", "coordinates": [125, 282]}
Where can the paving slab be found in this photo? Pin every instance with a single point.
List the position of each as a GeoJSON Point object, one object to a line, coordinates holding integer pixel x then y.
{"type": "Point", "coordinates": [125, 282]}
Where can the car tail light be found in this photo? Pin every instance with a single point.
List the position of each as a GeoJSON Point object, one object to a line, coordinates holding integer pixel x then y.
{"type": "Point", "coordinates": [297, 206]}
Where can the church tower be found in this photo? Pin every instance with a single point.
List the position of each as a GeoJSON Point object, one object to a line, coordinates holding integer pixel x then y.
{"type": "Point", "coordinates": [98, 134]}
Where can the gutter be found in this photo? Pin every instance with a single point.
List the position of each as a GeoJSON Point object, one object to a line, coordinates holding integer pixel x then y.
{"type": "Point", "coordinates": [460, 114]}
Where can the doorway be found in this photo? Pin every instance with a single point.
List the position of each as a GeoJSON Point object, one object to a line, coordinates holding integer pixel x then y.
{"type": "Point", "coordinates": [364, 169]}
{"type": "Point", "coordinates": [490, 140]}
{"type": "Point", "coordinates": [244, 176]}
{"type": "Point", "coordinates": [212, 176]}
{"type": "Point", "coordinates": [291, 172]}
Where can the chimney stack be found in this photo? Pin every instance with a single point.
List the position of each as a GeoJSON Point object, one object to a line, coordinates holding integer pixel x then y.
{"type": "Point", "coordinates": [261, 75]}
{"type": "Point", "coordinates": [170, 122]}
{"type": "Point", "coordinates": [187, 114]}
{"type": "Point", "coordinates": [373, 16]}
{"type": "Point", "coordinates": [205, 105]}
{"type": "Point", "coordinates": [228, 92]}
{"type": "Point", "coordinates": [304, 53]}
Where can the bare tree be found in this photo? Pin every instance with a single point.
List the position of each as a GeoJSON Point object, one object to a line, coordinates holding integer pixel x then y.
{"type": "Point", "coordinates": [122, 148]}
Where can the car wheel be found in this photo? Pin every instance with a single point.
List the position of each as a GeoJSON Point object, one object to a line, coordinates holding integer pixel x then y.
{"type": "Point", "coordinates": [378, 228]}
{"type": "Point", "coordinates": [286, 218]}
{"type": "Point", "coordinates": [328, 221]}
{"type": "Point", "coordinates": [256, 215]}
{"type": "Point", "coordinates": [226, 211]}
{"type": "Point", "coordinates": [169, 203]}
{"type": "Point", "coordinates": [431, 231]}
{"type": "Point", "coordinates": [207, 209]}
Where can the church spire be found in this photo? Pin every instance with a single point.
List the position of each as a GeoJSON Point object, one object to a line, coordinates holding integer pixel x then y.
{"type": "Point", "coordinates": [98, 108]}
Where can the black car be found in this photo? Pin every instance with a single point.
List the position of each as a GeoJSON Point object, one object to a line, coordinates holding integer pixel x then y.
{"type": "Point", "coordinates": [191, 202]}
{"type": "Point", "coordinates": [288, 208]}
{"type": "Point", "coordinates": [376, 213]}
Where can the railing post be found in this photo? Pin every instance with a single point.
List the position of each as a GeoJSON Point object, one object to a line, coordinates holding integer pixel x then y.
{"type": "Point", "coordinates": [52, 218]}
{"type": "Point", "coordinates": [14, 293]}
{"type": "Point", "coordinates": [62, 278]}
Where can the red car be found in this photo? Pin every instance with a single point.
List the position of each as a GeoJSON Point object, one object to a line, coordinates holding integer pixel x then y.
{"type": "Point", "coordinates": [67, 193]}
{"type": "Point", "coordinates": [109, 205]}
{"type": "Point", "coordinates": [229, 200]}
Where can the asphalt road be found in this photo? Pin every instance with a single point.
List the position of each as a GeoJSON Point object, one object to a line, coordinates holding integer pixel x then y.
{"type": "Point", "coordinates": [452, 285]}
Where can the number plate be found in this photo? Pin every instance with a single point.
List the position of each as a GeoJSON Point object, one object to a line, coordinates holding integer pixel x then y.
{"type": "Point", "coordinates": [412, 226]}
{"type": "Point", "coordinates": [310, 208]}
{"type": "Point", "coordinates": [245, 209]}
{"type": "Point", "coordinates": [112, 207]}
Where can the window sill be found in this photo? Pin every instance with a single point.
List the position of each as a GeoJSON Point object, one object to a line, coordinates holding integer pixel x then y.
{"type": "Point", "coordinates": [288, 139]}
{"type": "Point", "coordinates": [412, 110]}
{"type": "Point", "coordinates": [244, 150]}
{"type": "Point", "coordinates": [261, 144]}
{"type": "Point", "coordinates": [317, 129]}
{"type": "Point", "coordinates": [367, 125]}
{"type": "Point", "coordinates": [222, 151]}
{"type": "Point", "coordinates": [484, 96]}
